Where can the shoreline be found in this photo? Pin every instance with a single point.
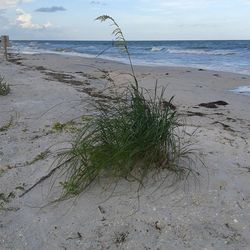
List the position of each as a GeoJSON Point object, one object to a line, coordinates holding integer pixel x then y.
{"type": "Point", "coordinates": [122, 61]}
{"type": "Point", "coordinates": [211, 213]}
{"type": "Point", "coordinates": [105, 60]}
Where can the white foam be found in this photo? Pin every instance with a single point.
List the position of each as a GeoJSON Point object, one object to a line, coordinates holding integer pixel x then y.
{"type": "Point", "coordinates": [242, 90]}
{"type": "Point", "coordinates": [201, 52]}
{"type": "Point", "coordinates": [154, 49]}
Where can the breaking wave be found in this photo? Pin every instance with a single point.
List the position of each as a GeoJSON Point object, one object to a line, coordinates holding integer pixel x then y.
{"type": "Point", "coordinates": [242, 90]}
{"type": "Point", "coordinates": [193, 51]}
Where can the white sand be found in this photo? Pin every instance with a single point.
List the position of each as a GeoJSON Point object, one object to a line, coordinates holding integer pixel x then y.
{"type": "Point", "coordinates": [211, 214]}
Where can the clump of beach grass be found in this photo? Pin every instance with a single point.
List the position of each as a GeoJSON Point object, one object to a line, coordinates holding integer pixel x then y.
{"type": "Point", "coordinates": [6, 126]}
{"type": "Point", "coordinates": [129, 138]}
{"type": "Point", "coordinates": [4, 87]}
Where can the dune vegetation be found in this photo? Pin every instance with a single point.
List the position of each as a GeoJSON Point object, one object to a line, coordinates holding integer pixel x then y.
{"type": "Point", "coordinates": [131, 136]}
{"type": "Point", "coordinates": [4, 87]}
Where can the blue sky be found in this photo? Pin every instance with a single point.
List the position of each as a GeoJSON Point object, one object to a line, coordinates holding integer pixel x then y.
{"type": "Point", "coordinates": [139, 19]}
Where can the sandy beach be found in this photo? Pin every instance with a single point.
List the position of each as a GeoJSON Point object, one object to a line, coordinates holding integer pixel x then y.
{"type": "Point", "coordinates": [212, 212]}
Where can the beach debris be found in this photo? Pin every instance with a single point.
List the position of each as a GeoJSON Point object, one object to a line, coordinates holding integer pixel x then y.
{"type": "Point", "coordinates": [69, 126]}
{"type": "Point", "coordinates": [6, 198]}
{"type": "Point", "coordinates": [89, 76]}
{"type": "Point", "coordinates": [247, 168]}
{"type": "Point", "coordinates": [213, 104]}
{"type": "Point", "coordinates": [208, 105]}
{"type": "Point", "coordinates": [10, 209]}
{"type": "Point", "coordinates": [16, 61]}
{"type": "Point", "coordinates": [221, 103]}
{"type": "Point", "coordinates": [63, 247]}
{"type": "Point", "coordinates": [217, 75]}
{"type": "Point", "coordinates": [40, 68]}
{"type": "Point", "coordinates": [20, 187]}
{"type": "Point", "coordinates": [39, 157]}
{"type": "Point", "coordinates": [98, 94]}
{"type": "Point", "coordinates": [158, 225]}
{"type": "Point", "coordinates": [63, 77]}
{"type": "Point", "coordinates": [4, 169]}
{"type": "Point", "coordinates": [77, 237]}
{"type": "Point", "coordinates": [58, 126]}
{"type": "Point", "coordinates": [231, 119]}
{"type": "Point", "coordinates": [120, 237]}
{"type": "Point", "coordinates": [166, 104]}
{"type": "Point", "coordinates": [191, 113]}
{"type": "Point", "coordinates": [239, 205]}
{"type": "Point", "coordinates": [225, 126]}
{"type": "Point", "coordinates": [6, 126]}
{"type": "Point", "coordinates": [102, 210]}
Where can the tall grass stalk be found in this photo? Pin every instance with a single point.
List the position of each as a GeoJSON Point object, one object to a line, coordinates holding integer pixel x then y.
{"type": "Point", "coordinates": [120, 42]}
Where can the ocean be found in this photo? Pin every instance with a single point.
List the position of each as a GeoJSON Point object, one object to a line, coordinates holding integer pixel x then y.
{"type": "Point", "coordinates": [232, 56]}
{"type": "Point", "coordinates": [229, 56]}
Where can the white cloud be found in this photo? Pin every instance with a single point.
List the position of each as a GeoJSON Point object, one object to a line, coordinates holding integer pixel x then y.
{"type": "Point", "coordinates": [24, 20]}
{"type": "Point", "coordinates": [4, 4]}
{"type": "Point", "coordinates": [182, 4]}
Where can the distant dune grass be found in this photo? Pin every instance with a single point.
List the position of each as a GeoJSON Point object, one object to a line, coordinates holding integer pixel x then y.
{"type": "Point", "coordinates": [4, 87]}
{"type": "Point", "coordinates": [129, 138]}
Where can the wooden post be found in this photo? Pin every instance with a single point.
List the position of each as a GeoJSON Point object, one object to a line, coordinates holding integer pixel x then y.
{"type": "Point", "coordinates": [5, 43]}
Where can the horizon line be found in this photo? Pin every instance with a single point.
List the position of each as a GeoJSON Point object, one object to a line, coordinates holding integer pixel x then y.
{"type": "Point", "coordinates": [132, 40]}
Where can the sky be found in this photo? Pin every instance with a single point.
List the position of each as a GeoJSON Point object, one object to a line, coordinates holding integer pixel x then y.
{"type": "Point", "coordinates": [139, 19]}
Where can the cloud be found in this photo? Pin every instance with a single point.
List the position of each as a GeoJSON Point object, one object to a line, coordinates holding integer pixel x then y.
{"type": "Point", "coordinates": [24, 20]}
{"type": "Point", "coordinates": [176, 4]}
{"type": "Point", "coordinates": [4, 4]}
{"type": "Point", "coordinates": [246, 2]}
{"type": "Point", "coordinates": [179, 3]}
{"type": "Point", "coordinates": [97, 3]}
{"type": "Point", "coordinates": [51, 9]}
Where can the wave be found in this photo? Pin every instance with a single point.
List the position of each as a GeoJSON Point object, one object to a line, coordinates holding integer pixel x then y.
{"type": "Point", "coordinates": [154, 49]}
{"type": "Point", "coordinates": [242, 89]}
{"type": "Point", "coordinates": [201, 52]}
{"type": "Point", "coordinates": [195, 51]}
{"type": "Point", "coordinates": [64, 50]}
{"type": "Point", "coordinates": [33, 44]}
